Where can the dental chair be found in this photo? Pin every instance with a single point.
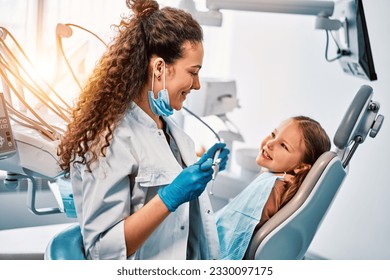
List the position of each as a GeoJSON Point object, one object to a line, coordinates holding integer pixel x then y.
{"type": "Point", "coordinates": [288, 234]}
{"type": "Point", "coordinates": [66, 245]}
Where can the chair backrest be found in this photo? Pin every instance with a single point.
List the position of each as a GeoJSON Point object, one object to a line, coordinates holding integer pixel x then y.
{"type": "Point", "coordinates": [288, 234]}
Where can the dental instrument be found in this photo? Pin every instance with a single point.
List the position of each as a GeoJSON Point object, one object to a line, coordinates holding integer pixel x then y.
{"type": "Point", "coordinates": [216, 163]}
{"type": "Point", "coordinates": [216, 160]}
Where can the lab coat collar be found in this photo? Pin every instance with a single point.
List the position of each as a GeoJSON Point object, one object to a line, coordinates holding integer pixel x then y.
{"type": "Point", "coordinates": [183, 141]}
{"type": "Point", "coordinates": [140, 115]}
{"type": "Point", "coordinates": [169, 163]}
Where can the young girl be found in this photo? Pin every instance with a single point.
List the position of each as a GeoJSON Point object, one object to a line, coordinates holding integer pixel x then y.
{"type": "Point", "coordinates": [287, 154]}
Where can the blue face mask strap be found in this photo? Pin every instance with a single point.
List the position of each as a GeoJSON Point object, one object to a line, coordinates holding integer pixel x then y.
{"type": "Point", "coordinates": [153, 81]}
{"type": "Point", "coordinates": [165, 78]}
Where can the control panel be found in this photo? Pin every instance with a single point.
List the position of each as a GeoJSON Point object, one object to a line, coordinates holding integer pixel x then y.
{"type": "Point", "coordinates": [7, 142]}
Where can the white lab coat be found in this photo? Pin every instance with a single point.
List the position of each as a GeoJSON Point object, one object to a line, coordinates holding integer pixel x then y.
{"type": "Point", "coordinates": [139, 161]}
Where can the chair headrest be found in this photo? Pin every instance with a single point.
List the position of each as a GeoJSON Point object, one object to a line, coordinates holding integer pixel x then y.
{"type": "Point", "coordinates": [359, 120]}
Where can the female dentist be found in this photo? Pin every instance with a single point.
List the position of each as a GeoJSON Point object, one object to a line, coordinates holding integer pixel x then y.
{"type": "Point", "coordinates": [138, 190]}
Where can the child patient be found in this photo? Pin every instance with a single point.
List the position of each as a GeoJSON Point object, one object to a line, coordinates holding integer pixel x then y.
{"type": "Point", "coordinates": [286, 156]}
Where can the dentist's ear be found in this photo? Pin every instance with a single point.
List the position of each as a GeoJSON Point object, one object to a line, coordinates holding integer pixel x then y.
{"type": "Point", "coordinates": [159, 67]}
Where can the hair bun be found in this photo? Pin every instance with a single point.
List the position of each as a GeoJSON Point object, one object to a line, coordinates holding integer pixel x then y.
{"type": "Point", "coordinates": [142, 8]}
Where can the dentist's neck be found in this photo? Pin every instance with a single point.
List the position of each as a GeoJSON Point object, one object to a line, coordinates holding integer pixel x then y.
{"type": "Point", "coordinates": [143, 103]}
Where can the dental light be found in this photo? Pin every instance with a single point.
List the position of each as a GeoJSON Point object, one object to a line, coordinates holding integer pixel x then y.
{"type": "Point", "coordinates": [348, 22]}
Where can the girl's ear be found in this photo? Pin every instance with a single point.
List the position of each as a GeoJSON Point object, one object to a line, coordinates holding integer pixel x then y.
{"type": "Point", "coordinates": [302, 167]}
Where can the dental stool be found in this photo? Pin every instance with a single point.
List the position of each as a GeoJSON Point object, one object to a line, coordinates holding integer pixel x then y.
{"type": "Point", "coordinates": [66, 245]}
{"type": "Point", "coordinates": [288, 234]}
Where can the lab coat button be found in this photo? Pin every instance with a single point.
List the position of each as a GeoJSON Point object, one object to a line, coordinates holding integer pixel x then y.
{"type": "Point", "coordinates": [182, 227]}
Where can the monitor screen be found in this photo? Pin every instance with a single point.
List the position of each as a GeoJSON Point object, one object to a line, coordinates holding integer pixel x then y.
{"type": "Point", "coordinates": [359, 62]}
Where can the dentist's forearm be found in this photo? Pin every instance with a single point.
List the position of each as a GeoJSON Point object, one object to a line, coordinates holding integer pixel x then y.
{"type": "Point", "coordinates": [140, 225]}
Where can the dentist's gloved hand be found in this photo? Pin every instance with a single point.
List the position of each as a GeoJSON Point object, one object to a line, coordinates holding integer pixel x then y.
{"type": "Point", "coordinates": [189, 184]}
{"type": "Point", "coordinates": [224, 155]}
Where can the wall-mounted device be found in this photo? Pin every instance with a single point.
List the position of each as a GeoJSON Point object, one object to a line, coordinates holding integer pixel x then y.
{"type": "Point", "coordinates": [215, 97]}
{"type": "Point", "coordinates": [354, 41]}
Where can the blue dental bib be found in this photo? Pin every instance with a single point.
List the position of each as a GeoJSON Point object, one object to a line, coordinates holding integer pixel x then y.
{"type": "Point", "coordinates": [238, 219]}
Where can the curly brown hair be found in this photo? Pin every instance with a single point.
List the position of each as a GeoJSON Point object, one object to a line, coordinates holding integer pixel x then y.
{"type": "Point", "coordinates": [120, 76]}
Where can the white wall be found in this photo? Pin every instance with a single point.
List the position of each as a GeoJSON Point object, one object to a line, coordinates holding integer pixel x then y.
{"type": "Point", "coordinates": [279, 65]}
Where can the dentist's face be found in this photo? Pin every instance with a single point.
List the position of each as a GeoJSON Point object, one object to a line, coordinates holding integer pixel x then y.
{"type": "Point", "coordinates": [283, 149]}
{"type": "Point", "coordinates": [183, 75]}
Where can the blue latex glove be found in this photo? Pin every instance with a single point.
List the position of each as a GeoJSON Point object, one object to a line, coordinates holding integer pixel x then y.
{"type": "Point", "coordinates": [224, 154]}
{"type": "Point", "coordinates": [189, 184]}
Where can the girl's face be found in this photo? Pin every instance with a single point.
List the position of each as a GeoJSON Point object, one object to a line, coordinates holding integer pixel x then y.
{"type": "Point", "coordinates": [282, 150]}
{"type": "Point", "coordinates": [183, 75]}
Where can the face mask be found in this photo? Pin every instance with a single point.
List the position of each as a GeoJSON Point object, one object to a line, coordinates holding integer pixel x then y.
{"type": "Point", "coordinates": [160, 105]}
{"type": "Point", "coordinates": [238, 219]}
